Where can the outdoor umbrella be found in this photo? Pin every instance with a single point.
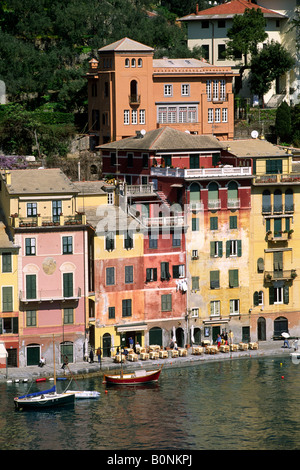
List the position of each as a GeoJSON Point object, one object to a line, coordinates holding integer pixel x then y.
{"type": "Point", "coordinates": [285, 335]}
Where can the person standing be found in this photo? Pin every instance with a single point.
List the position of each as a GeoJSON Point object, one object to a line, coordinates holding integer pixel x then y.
{"type": "Point", "coordinates": [230, 337]}
{"type": "Point", "coordinates": [99, 354]}
{"type": "Point", "coordinates": [219, 340]}
{"type": "Point", "coordinates": [91, 355]}
{"type": "Point", "coordinates": [131, 342]}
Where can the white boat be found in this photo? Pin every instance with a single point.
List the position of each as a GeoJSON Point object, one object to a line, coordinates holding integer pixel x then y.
{"type": "Point", "coordinates": [84, 394]}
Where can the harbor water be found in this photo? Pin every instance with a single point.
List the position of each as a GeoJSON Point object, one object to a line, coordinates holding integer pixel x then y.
{"type": "Point", "coordinates": [245, 404]}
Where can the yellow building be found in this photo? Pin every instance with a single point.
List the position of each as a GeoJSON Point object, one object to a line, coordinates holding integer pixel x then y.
{"type": "Point", "coordinates": [9, 297]}
{"type": "Point", "coordinates": [274, 255]}
{"type": "Point", "coordinates": [116, 309]}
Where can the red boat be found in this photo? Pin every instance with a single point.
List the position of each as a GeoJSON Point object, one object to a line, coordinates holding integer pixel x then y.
{"type": "Point", "coordinates": [133, 378]}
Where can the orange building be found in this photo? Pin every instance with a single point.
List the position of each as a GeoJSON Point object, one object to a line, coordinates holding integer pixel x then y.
{"type": "Point", "coordinates": [130, 92]}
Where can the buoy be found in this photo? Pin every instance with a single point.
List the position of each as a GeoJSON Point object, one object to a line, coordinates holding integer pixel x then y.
{"type": "Point", "coordinates": [280, 364]}
{"type": "Point", "coordinates": [41, 380]}
{"type": "Point", "coordinates": [282, 376]}
{"type": "Point", "coordinates": [105, 391]}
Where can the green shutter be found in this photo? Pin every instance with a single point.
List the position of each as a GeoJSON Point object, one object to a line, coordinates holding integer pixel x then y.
{"type": "Point", "coordinates": [6, 263]}
{"type": "Point", "coordinates": [286, 294]}
{"type": "Point", "coordinates": [212, 249]}
{"type": "Point", "coordinates": [220, 249]}
{"type": "Point", "coordinates": [227, 248]}
{"type": "Point", "coordinates": [256, 298]}
{"type": "Point", "coordinates": [233, 278]}
{"type": "Point", "coordinates": [68, 284]}
{"type": "Point", "coordinates": [239, 247]}
{"type": "Point", "coordinates": [7, 299]}
{"type": "Point", "coordinates": [31, 286]}
{"type": "Point", "coordinates": [271, 295]}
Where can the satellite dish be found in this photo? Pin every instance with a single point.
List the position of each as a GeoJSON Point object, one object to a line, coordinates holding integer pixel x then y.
{"type": "Point", "coordinates": [143, 132]}
{"type": "Point", "coordinates": [254, 134]}
{"type": "Point", "coordinates": [187, 132]}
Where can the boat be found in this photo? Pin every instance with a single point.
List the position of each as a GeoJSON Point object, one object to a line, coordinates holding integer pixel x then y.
{"type": "Point", "coordinates": [83, 394]}
{"type": "Point", "coordinates": [134, 378]}
{"type": "Point", "coordinates": [47, 398]}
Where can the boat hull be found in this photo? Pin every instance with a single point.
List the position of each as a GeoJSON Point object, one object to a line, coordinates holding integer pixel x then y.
{"type": "Point", "coordinates": [80, 395]}
{"type": "Point", "coordinates": [132, 379]}
{"type": "Point", "coordinates": [46, 401]}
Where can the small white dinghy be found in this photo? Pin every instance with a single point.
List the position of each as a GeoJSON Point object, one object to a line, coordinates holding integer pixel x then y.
{"type": "Point", "coordinates": [84, 394]}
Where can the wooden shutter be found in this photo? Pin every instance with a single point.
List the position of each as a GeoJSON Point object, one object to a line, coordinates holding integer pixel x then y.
{"type": "Point", "coordinates": [271, 295]}
{"type": "Point", "coordinates": [239, 247]}
{"type": "Point", "coordinates": [68, 284]}
{"type": "Point", "coordinates": [31, 286]}
{"type": "Point", "coordinates": [286, 294]}
{"type": "Point", "coordinates": [7, 299]}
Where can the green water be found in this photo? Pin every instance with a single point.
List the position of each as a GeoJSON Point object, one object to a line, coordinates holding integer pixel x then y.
{"type": "Point", "coordinates": [245, 404]}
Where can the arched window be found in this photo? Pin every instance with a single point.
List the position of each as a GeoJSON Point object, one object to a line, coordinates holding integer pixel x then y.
{"type": "Point", "coordinates": [132, 62]}
{"type": "Point", "coordinates": [232, 195]}
{"type": "Point", "coordinates": [194, 192]}
{"type": "Point", "coordinates": [266, 201]}
{"type": "Point", "coordinates": [106, 344]}
{"type": "Point", "coordinates": [127, 63]}
{"type": "Point", "coordinates": [133, 91]}
{"type": "Point", "coordinates": [140, 62]}
{"type": "Point", "coordinates": [213, 196]}
{"type": "Point", "coordinates": [277, 201]}
{"type": "Point", "coordinates": [289, 200]}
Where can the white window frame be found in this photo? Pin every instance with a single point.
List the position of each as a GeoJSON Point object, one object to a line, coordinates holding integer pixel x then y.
{"type": "Point", "coordinates": [234, 307]}
{"type": "Point", "coordinates": [168, 90]}
{"type": "Point", "coordinates": [172, 115]}
{"type": "Point", "coordinates": [126, 117]}
{"type": "Point", "coordinates": [134, 116]}
{"type": "Point", "coordinates": [162, 114]}
{"type": "Point", "coordinates": [222, 90]}
{"type": "Point", "coordinates": [260, 297]}
{"type": "Point", "coordinates": [127, 63]}
{"type": "Point", "coordinates": [278, 295]}
{"type": "Point", "coordinates": [208, 89]}
{"type": "Point", "coordinates": [215, 308]}
{"type": "Point", "coordinates": [185, 89]}
{"type": "Point", "coordinates": [224, 114]}
{"type": "Point", "coordinates": [210, 115]}
{"type": "Point", "coordinates": [215, 89]}
{"type": "Point", "coordinates": [217, 115]}
{"type": "Point", "coordinates": [195, 313]}
{"type": "Point", "coordinates": [142, 116]}
{"type": "Point", "coordinates": [233, 250]}
{"type": "Point", "coordinates": [110, 198]}
{"type": "Point", "coordinates": [182, 114]}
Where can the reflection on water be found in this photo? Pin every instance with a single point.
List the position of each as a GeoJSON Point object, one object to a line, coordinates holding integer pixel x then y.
{"type": "Point", "coordinates": [240, 404]}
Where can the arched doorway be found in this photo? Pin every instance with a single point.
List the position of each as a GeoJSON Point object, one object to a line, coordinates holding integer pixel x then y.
{"type": "Point", "coordinates": [280, 326]}
{"type": "Point", "coordinates": [194, 192]}
{"type": "Point", "coordinates": [33, 353]}
{"type": "Point", "coordinates": [261, 329]}
{"type": "Point", "coordinates": [106, 344]}
{"type": "Point", "coordinates": [180, 337]}
{"type": "Point", "coordinates": [155, 336]}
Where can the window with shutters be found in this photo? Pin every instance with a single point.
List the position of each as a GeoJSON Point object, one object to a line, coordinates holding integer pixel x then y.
{"type": "Point", "coordinates": [30, 317]}
{"type": "Point", "coordinates": [178, 271]}
{"type": "Point", "coordinates": [128, 274]}
{"type": "Point", "coordinates": [214, 279]}
{"type": "Point", "coordinates": [68, 284]}
{"type": "Point", "coordinates": [67, 245]}
{"type": "Point", "coordinates": [273, 167]}
{"type": "Point", "coordinates": [214, 223]}
{"type": "Point", "coordinates": [164, 271]}
{"type": "Point", "coordinates": [31, 209]}
{"type": "Point", "coordinates": [126, 308]}
{"type": "Point", "coordinates": [9, 325]}
{"type": "Point", "coordinates": [258, 298]}
{"type": "Point", "coordinates": [232, 221]}
{"type": "Point", "coordinates": [7, 299]}
{"type": "Point", "coordinates": [278, 263]}
{"type": "Point", "coordinates": [176, 239]}
{"type": "Point", "coordinates": [110, 241]}
{"type": "Point", "coordinates": [215, 308]}
{"type": "Point", "coordinates": [195, 313]}
{"type": "Point", "coordinates": [110, 276]}
{"type": "Point", "coordinates": [153, 241]}
{"type": "Point", "coordinates": [6, 262]}
{"type": "Point", "coordinates": [166, 302]}
{"type": "Point", "coordinates": [195, 283]}
{"type": "Point", "coordinates": [216, 249]}
{"type": "Point", "coordinates": [233, 248]}
{"type": "Point", "coordinates": [277, 227]}
{"type": "Point", "coordinates": [234, 306]}
{"type": "Point", "coordinates": [128, 240]}
{"type": "Point", "coordinates": [278, 295]}
{"type": "Point", "coordinates": [233, 277]}
{"type": "Point", "coordinates": [68, 316]}
{"type": "Point", "coordinates": [151, 274]}
{"type": "Point", "coordinates": [111, 312]}
{"type": "Point", "coordinates": [30, 246]}
{"type": "Point", "coordinates": [31, 286]}
{"type": "Point", "coordinates": [260, 265]}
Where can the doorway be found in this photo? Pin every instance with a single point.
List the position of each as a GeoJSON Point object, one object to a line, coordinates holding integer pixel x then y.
{"type": "Point", "coordinates": [106, 345]}
{"type": "Point", "coordinates": [261, 329]}
{"type": "Point", "coordinates": [33, 354]}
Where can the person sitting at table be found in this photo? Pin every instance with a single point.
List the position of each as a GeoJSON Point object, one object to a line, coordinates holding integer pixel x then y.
{"type": "Point", "coordinates": [42, 362]}
{"type": "Point", "coordinates": [172, 344]}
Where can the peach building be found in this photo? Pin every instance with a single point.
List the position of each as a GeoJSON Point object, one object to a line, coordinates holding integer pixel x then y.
{"type": "Point", "coordinates": [130, 92]}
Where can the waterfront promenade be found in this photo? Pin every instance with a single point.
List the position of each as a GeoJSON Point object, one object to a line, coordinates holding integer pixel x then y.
{"type": "Point", "coordinates": [83, 369]}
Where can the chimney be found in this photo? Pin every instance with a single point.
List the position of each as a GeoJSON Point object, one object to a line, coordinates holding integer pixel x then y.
{"type": "Point", "coordinates": [8, 178]}
{"type": "Point", "coordinates": [197, 9]}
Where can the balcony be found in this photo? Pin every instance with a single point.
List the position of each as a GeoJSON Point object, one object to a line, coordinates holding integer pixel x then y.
{"type": "Point", "coordinates": [214, 204]}
{"type": "Point", "coordinates": [279, 236]}
{"type": "Point", "coordinates": [218, 99]}
{"type": "Point", "coordinates": [39, 221]}
{"type": "Point", "coordinates": [169, 221]}
{"type": "Point", "coordinates": [233, 203]}
{"type": "Point", "coordinates": [135, 190]}
{"type": "Point", "coordinates": [50, 296]}
{"type": "Point", "coordinates": [134, 99]}
{"type": "Point", "coordinates": [281, 275]}
{"type": "Point", "coordinates": [277, 179]}
{"type": "Point", "coordinates": [203, 173]}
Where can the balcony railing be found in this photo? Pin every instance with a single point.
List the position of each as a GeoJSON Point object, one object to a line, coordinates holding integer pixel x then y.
{"type": "Point", "coordinates": [278, 209]}
{"type": "Point", "coordinates": [169, 221]}
{"type": "Point", "coordinates": [277, 179]}
{"type": "Point", "coordinates": [279, 236]}
{"type": "Point", "coordinates": [219, 172]}
{"type": "Point", "coordinates": [39, 221]}
{"type": "Point", "coordinates": [45, 295]}
{"type": "Point", "coordinates": [233, 203]}
{"type": "Point", "coordinates": [139, 189]}
{"type": "Point", "coordinates": [281, 275]}
{"type": "Point", "coordinates": [214, 204]}
{"type": "Point", "coordinates": [134, 99]}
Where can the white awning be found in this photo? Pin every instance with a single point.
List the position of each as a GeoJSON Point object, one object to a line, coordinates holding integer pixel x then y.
{"type": "Point", "coordinates": [3, 352]}
{"type": "Point", "coordinates": [123, 329]}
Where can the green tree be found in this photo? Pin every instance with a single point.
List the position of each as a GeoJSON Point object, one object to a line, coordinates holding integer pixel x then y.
{"type": "Point", "coordinates": [283, 126]}
{"type": "Point", "coordinates": [267, 65]}
{"type": "Point", "coordinates": [246, 32]}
